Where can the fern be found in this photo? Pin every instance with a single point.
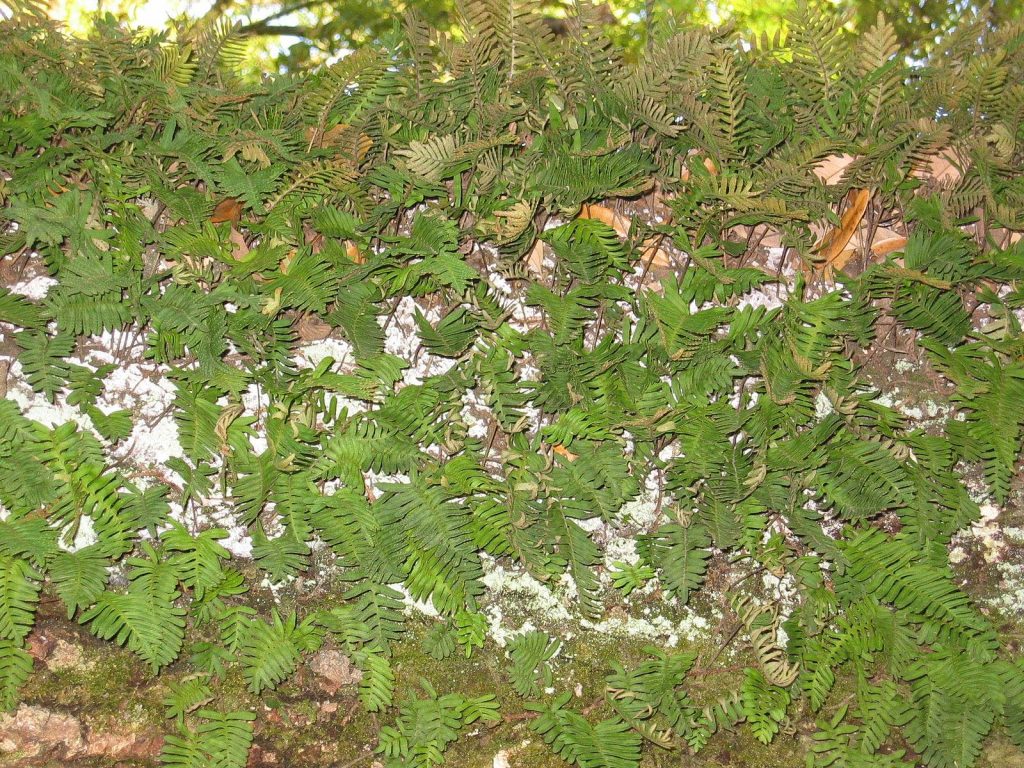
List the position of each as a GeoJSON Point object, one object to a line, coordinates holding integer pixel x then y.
{"type": "Point", "coordinates": [451, 305]}
{"type": "Point", "coordinates": [29, 538]}
{"type": "Point", "coordinates": [888, 569]}
{"type": "Point", "coordinates": [439, 642]}
{"type": "Point", "coordinates": [608, 744]}
{"type": "Point", "coordinates": [426, 726]}
{"type": "Point", "coordinates": [530, 671]}
{"type": "Point", "coordinates": [197, 558]}
{"type": "Point", "coordinates": [629, 577]}
{"type": "Point", "coordinates": [776, 670]}
{"type": "Point", "coordinates": [79, 577]}
{"type": "Point", "coordinates": [650, 696]}
{"type": "Point", "coordinates": [222, 740]}
{"type": "Point", "coordinates": [43, 360]}
{"type": "Point", "coordinates": [680, 554]}
{"type": "Point", "coordinates": [271, 651]}
{"type": "Point", "coordinates": [991, 393]}
{"type": "Point", "coordinates": [185, 697]}
{"type": "Point", "coordinates": [15, 668]}
{"type": "Point", "coordinates": [377, 687]}
{"type": "Point", "coordinates": [764, 704]}
{"type": "Point", "coordinates": [19, 595]}
{"type": "Point", "coordinates": [145, 619]}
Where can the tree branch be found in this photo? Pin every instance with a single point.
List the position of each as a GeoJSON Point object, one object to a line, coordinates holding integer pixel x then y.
{"type": "Point", "coordinates": [218, 9]}
{"type": "Point", "coordinates": [258, 28]}
{"type": "Point", "coordinates": [264, 27]}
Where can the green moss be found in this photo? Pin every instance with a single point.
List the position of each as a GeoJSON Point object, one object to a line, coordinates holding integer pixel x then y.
{"type": "Point", "coordinates": [108, 686]}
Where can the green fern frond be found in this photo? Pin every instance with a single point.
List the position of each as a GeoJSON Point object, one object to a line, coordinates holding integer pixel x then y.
{"type": "Point", "coordinates": [19, 595]}
{"type": "Point", "coordinates": [221, 740]}
{"type": "Point", "coordinates": [530, 654]}
{"type": "Point", "coordinates": [271, 651]}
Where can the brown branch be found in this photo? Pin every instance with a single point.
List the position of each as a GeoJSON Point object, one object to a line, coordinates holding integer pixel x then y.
{"type": "Point", "coordinates": [218, 9]}
{"type": "Point", "coordinates": [258, 29]}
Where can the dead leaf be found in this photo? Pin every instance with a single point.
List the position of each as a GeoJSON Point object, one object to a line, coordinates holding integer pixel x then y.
{"type": "Point", "coordinates": [239, 250]}
{"type": "Point", "coordinates": [650, 248]}
{"type": "Point", "coordinates": [354, 253]}
{"type": "Point", "coordinates": [709, 165]}
{"type": "Point", "coordinates": [272, 304]}
{"type": "Point", "coordinates": [254, 153]}
{"type": "Point", "coordinates": [606, 216]}
{"type": "Point", "coordinates": [561, 450]}
{"type": "Point", "coordinates": [939, 167]}
{"type": "Point", "coordinates": [942, 168]}
{"type": "Point", "coordinates": [831, 169]}
{"type": "Point", "coordinates": [341, 135]}
{"type": "Point", "coordinates": [832, 246]}
{"type": "Point", "coordinates": [312, 328]}
{"type": "Point", "coordinates": [535, 261]}
{"type": "Point", "coordinates": [885, 241]}
{"type": "Point", "coordinates": [363, 146]}
{"type": "Point", "coordinates": [228, 209]}
{"type": "Point", "coordinates": [889, 241]}
{"type": "Point", "coordinates": [318, 138]}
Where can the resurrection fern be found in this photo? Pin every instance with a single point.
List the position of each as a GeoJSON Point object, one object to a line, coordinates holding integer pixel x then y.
{"type": "Point", "coordinates": [145, 619]}
{"type": "Point", "coordinates": [270, 651]}
{"type": "Point", "coordinates": [991, 391]}
{"type": "Point", "coordinates": [426, 726]}
{"type": "Point", "coordinates": [79, 577]}
{"type": "Point", "coordinates": [764, 705]}
{"type": "Point", "coordinates": [19, 595]}
{"type": "Point", "coordinates": [651, 697]}
{"type": "Point", "coordinates": [887, 569]}
{"type": "Point", "coordinates": [187, 696]}
{"type": "Point", "coordinates": [762, 625]}
{"type": "Point", "coordinates": [15, 668]}
{"type": "Point", "coordinates": [680, 555]}
{"type": "Point", "coordinates": [377, 688]}
{"type": "Point", "coordinates": [608, 744]}
{"type": "Point", "coordinates": [530, 671]}
{"type": "Point", "coordinates": [221, 740]}
{"type": "Point", "coordinates": [495, 312]}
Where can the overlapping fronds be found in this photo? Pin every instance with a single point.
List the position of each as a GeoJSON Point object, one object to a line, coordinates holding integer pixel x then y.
{"type": "Point", "coordinates": [477, 294]}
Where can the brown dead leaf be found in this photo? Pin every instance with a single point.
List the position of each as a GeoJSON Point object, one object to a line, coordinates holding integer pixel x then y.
{"type": "Point", "coordinates": [535, 261]}
{"type": "Point", "coordinates": [650, 249]}
{"type": "Point", "coordinates": [831, 169]}
{"type": "Point", "coordinates": [230, 412]}
{"type": "Point", "coordinates": [312, 328]}
{"type": "Point", "coordinates": [709, 165]}
{"type": "Point", "coordinates": [940, 167]}
{"type": "Point", "coordinates": [228, 209]}
{"type": "Point", "coordinates": [606, 216]}
{"type": "Point", "coordinates": [363, 146]}
{"type": "Point", "coordinates": [341, 135]}
{"type": "Point", "coordinates": [561, 450]}
{"type": "Point", "coordinates": [353, 252]}
{"type": "Point", "coordinates": [327, 138]}
{"type": "Point", "coordinates": [651, 252]}
{"type": "Point", "coordinates": [885, 241]}
{"type": "Point", "coordinates": [239, 248]}
{"type": "Point", "coordinates": [832, 246]}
